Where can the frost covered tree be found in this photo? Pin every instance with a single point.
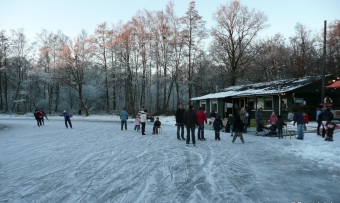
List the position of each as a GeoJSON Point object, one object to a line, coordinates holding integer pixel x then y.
{"type": "Point", "coordinates": [236, 29]}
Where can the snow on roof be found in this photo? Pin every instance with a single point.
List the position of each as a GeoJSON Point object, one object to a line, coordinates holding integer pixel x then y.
{"type": "Point", "coordinates": [263, 88]}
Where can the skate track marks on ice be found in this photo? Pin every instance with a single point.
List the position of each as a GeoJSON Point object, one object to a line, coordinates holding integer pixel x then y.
{"type": "Point", "coordinates": [97, 162]}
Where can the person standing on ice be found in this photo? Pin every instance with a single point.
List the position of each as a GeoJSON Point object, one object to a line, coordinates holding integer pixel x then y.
{"type": "Point", "coordinates": [212, 117]}
{"type": "Point", "coordinates": [218, 125]}
{"type": "Point", "coordinates": [238, 128]}
{"type": "Point", "coordinates": [124, 117]}
{"type": "Point", "coordinates": [143, 120]}
{"type": "Point", "coordinates": [44, 115]}
{"type": "Point", "coordinates": [67, 118]}
{"type": "Point", "coordinates": [298, 118]}
{"type": "Point", "coordinates": [38, 116]}
{"type": "Point", "coordinates": [190, 121]}
{"type": "Point", "coordinates": [201, 117]}
{"type": "Point", "coordinates": [180, 121]}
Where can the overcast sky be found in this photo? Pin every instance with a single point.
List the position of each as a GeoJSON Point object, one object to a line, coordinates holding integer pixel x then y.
{"type": "Point", "coordinates": [71, 16]}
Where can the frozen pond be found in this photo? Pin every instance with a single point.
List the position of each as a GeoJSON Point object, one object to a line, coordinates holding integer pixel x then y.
{"type": "Point", "coordinates": [97, 162]}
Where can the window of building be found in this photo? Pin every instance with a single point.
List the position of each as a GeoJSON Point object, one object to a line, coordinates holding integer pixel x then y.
{"type": "Point", "coordinates": [251, 102]}
{"type": "Point", "coordinates": [203, 104]}
{"type": "Point", "coordinates": [213, 105]}
{"type": "Point", "coordinates": [268, 103]}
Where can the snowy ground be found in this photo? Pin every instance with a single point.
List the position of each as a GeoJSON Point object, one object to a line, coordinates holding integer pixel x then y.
{"type": "Point", "coordinates": [97, 162]}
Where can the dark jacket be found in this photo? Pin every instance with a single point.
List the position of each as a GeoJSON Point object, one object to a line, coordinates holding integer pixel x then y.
{"type": "Point", "coordinates": [260, 127]}
{"type": "Point", "coordinates": [67, 116]}
{"type": "Point", "coordinates": [258, 115]}
{"type": "Point", "coordinates": [218, 124]}
{"type": "Point", "coordinates": [280, 123]}
{"type": "Point", "coordinates": [327, 115]}
{"type": "Point", "coordinates": [238, 125]}
{"type": "Point", "coordinates": [37, 115]}
{"type": "Point", "coordinates": [213, 114]}
{"type": "Point", "coordinates": [157, 123]}
{"type": "Point", "coordinates": [180, 115]}
{"type": "Point", "coordinates": [190, 119]}
{"type": "Point", "coordinates": [231, 120]}
{"type": "Point", "coordinates": [298, 118]}
{"type": "Point", "coordinates": [248, 109]}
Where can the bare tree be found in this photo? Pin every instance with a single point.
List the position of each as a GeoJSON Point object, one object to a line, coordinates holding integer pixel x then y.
{"type": "Point", "coordinates": [194, 32]}
{"type": "Point", "coordinates": [303, 53]}
{"type": "Point", "coordinates": [76, 56]}
{"type": "Point", "coordinates": [237, 27]}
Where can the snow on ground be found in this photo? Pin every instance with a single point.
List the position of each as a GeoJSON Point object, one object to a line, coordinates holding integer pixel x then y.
{"type": "Point", "coordinates": [97, 162]}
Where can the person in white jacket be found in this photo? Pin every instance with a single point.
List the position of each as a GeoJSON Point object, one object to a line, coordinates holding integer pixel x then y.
{"type": "Point", "coordinates": [143, 120]}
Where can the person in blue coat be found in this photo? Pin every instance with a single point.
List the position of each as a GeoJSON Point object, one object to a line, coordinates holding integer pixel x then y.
{"type": "Point", "coordinates": [124, 117]}
{"type": "Point", "coordinates": [67, 118]}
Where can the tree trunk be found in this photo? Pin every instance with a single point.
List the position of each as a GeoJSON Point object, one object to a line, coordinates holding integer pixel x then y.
{"type": "Point", "coordinates": [57, 92]}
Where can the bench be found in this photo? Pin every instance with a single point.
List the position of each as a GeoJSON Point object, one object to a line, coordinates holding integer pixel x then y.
{"type": "Point", "coordinates": [291, 133]}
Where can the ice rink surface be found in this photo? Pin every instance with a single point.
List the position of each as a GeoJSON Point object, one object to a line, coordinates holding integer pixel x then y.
{"type": "Point", "coordinates": [97, 162]}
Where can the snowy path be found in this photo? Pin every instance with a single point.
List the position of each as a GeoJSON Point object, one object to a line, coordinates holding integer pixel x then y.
{"type": "Point", "coordinates": [96, 162]}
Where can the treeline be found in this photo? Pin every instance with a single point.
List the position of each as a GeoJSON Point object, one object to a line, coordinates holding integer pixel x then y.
{"type": "Point", "coordinates": [156, 60]}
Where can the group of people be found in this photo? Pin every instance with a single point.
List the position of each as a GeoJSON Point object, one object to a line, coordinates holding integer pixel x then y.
{"type": "Point", "coordinates": [39, 117]}
{"type": "Point", "coordinates": [190, 119]}
{"type": "Point", "coordinates": [40, 114]}
{"type": "Point", "coordinates": [140, 121]}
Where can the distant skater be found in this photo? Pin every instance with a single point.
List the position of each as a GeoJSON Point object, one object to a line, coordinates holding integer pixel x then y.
{"type": "Point", "coordinates": [38, 116]}
{"type": "Point", "coordinates": [67, 117]}
{"type": "Point", "coordinates": [124, 117]}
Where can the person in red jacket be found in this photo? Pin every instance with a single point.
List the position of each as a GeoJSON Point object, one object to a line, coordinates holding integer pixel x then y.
{"type": "Point", "coordinates": [305, 116]}
{"type": "Point", "coordinates": [201, 118]}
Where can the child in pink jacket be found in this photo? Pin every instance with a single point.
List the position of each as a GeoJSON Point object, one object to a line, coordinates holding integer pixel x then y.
{"type": "Point", "coordinates": [137, 123]}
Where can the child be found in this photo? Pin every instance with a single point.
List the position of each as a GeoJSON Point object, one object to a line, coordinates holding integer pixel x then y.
{"type": "Point", "coordinates": [305, 116]}
{"type": "Point", "coordinates": [137, 123]}
{"type": "Point", "coordinates": [279, 124]}
{"type": "Point", "coordinates": [231, 123]}
{"type": "Point", "coordinates": [156, 125]}
{"type": "Point", "coordinates": [217, 127]}
{"type": "Point", "coordinates": [238, 128]}
{"type": "Point", "coordinates": [273, 118]}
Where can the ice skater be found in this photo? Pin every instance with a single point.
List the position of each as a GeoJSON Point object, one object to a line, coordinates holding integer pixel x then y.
{"type": "Point", "coordinates": [238, 128]}
{"type": "Point", "coordinates": [38, 116]}
{"type": "Point", "coordinates": [279, 124]}
{"type": "Point", "coordinates": [67, 118]}
{"type": "Point", "coordinates": [218, 125]}
{"type": "Point", "coordinates": [124, 117]}
{"type": "Point", "coordinates": [137, 123]}
{"type": "Point", "coordinates": [190, 121]}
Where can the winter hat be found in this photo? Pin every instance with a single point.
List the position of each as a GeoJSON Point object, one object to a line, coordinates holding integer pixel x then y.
{"type": "Point", "coordinates": [218, 116]}
{"type": "Point", "coordinates": [64, 111]}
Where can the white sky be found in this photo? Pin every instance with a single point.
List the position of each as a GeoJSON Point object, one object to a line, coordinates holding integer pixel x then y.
{"type": "Point", "coordinates": [72, 16]}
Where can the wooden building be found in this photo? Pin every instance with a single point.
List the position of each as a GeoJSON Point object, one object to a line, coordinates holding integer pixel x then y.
{"type": "Point", "coordinates": [279, 96]}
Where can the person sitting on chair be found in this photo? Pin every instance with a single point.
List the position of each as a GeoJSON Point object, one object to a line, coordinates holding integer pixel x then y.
{"type": "Point", "coordinates": [156, 125]}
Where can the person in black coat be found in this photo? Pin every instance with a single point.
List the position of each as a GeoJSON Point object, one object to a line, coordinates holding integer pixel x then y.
{"type": "Point", "coordinates": [299, 119]}
{"type": "Point", "coordinates": [156, 125]}
{"type": "Point", "coordinates": [180, 121]}
{"type": "Point", "coordinates": [238, 128]}
{"type": "Point", "coordinates": [190, 121]}
{"type": "Point", "coordinates": [327, 116]}
{"type": "Point", "coordinates": [38, 116]}
{"type": "Point", "coordinates": [218, 125]}
{"type": "Point", "coordinates": [231, 123]}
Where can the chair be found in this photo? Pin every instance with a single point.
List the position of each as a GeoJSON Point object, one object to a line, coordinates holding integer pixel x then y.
{"type": "Point", "coordinates": [159, 130]}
